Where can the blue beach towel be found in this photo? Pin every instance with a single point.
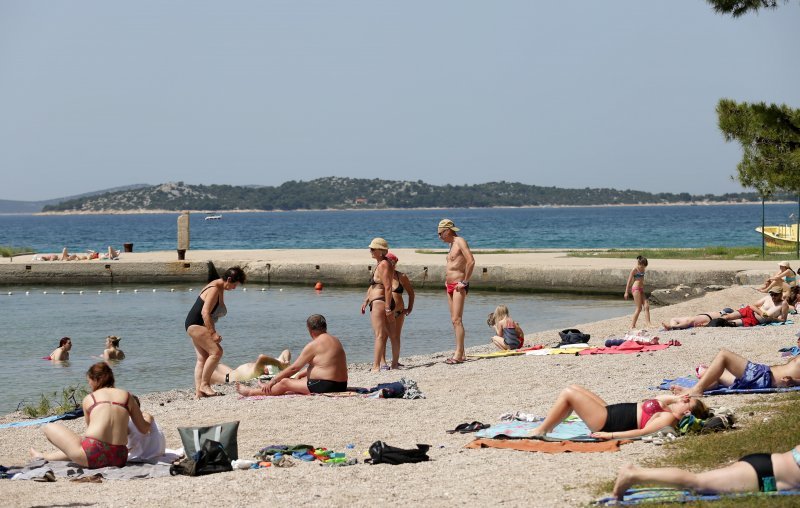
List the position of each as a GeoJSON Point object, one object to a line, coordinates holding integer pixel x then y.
{"type": "Point", "coordinates": [78, 413]}
{"type": "Point", "coordinates": [669, 495]}
{"type": "Point", "coordinates": [568, 430]}
{"type": "Point", "coordinates": [689, 381]}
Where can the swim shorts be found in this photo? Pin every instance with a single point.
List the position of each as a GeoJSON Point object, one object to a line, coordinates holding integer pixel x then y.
{"type": "Point", "coordinates": [325, 386]}
{"type": "Point", "coordinates": [756, 375]}
{"type": "Point", "coordinates": [451, 288]}
{"type": "Point", "coordinates": [748, 316]}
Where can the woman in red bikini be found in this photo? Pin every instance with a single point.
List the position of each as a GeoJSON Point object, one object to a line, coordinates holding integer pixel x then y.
{"type": "Point", "coordinates": [107, 410]}
{"type": "Point", "coordinates": [613, 421]}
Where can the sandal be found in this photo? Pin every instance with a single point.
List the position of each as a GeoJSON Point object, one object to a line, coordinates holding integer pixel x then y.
{"type": "Point", "coordinates": [466, 428]}
{"type": "Point", "coordinates": [453, 361]}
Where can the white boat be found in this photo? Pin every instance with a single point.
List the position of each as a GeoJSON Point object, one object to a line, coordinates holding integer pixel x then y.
{"type": "Point", "coordinates": [214, 216]}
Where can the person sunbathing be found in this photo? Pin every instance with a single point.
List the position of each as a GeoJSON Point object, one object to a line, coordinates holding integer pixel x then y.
{"type": "Point", "coordinates": [734, 371]}
{"type": "Point", "coordinates": [250, 370]}
{"type": "Point", "coordinates": [615, 421]}
{"type": "Point", "coordinates": [703, 319]}
{"type": "Point", "coordinates": [758, 472]}
{"type": "Point", "coordinates": [326, 372]}
{"type": "Point", "coordinates": [772, 308]}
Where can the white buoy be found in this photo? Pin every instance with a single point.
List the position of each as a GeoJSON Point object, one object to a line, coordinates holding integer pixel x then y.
{"type": "Point", "coordinates": [117, 291]}
{"type": "Point", "coordinates": [154, 291]}
{"type": "Point", "coordinates": [99, 291]}
{"type": "Point", "coordinates": [135, 290]}
{"type": "Point", "coordinates": [263, 289]}
{"type": "Point", "coordinates": [44, 292]}
{"type": "Point", "coordinates": [27, 293]}
{"type": "Point", "coordinates": [63, 292]}
{"type": "Point", "coordinates": [80, 292]}
{"type": "Point", "coordinates": [172, 290]}
{"type": "Point", "coordinates": [281, 289]}
{"type": "Point", "coordinates": [190, 290]}
{"type": "Point", "coordinates": [9, 293]}
{"type": "Point", "coordinates": [244, 289]}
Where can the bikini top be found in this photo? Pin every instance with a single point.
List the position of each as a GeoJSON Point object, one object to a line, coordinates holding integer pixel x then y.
{"type": "Point", "coordinates": [649, 408]}
{"type": "Point", "coordinates": [372, 281]}
{"type": "Point", "coordinates": [98, 402]}
{"type": "Point", "coordinates": [638, 275]}
{"type": "Point", "coordinates": [399, 289]}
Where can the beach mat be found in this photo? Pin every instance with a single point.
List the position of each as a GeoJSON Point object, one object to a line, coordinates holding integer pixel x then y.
{"type": "Point", "coordinates": [690, 381]}
{"type": "Point", "coordinates": [78, 413]}
{"type": "Point", "coordinates": [631, 348]}
{"type": "Point", "coordinates": [668, 495]}
{"type": "Point", "coordinates": [554, 351]}
{"type": "Point", "coordinates": [496, 354]}
{"type": "Point", "coordinates": [568, 430]}
{"type": "Point", "coordinates": [63, 469]}
{"type": "Point", "coordinates": [535, 445]}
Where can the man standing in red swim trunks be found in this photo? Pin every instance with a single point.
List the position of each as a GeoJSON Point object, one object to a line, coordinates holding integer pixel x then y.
{"type": "Point", "coordinates": [460, 263]}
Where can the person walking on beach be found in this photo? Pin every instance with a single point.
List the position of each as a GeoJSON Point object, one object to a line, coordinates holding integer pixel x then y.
{"type": "Point", "coordinates": [326, 371]}
{"type": "Point", "coordinates": [201, 327]}
{"type": "Point", "coordinates": [400, 284]}
{"type": "Point", "coordinates": [61, 353]}
{"type": "Point", "coordinates": [636, 286]}
{"type": "Point", "coordinates": [380, 302]}
{"type": "Point", "coordinates": [460, 264]}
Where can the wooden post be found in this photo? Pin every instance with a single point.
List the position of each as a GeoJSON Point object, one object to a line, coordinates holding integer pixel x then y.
{"type": "Point", "coordinates": [183, 235]}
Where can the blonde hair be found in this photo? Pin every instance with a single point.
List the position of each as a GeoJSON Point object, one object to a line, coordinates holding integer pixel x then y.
{"type": "Point", "coordinates": [499, 314]}
{"type": "Point", "coordinates": [114, 340]}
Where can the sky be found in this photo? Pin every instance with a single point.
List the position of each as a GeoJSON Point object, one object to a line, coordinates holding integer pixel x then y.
{"type": "Point", "coordinates": [622, 94]}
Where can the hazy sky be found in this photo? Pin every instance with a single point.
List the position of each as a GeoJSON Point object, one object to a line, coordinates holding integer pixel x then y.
{"type": "Point", "coordinates": [96, 94]}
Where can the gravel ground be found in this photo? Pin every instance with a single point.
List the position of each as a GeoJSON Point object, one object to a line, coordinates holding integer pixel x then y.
{"type": "Point", "coordinates": [478, 390]}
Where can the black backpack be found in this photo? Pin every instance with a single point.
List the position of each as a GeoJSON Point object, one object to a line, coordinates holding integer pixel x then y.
{"type": "Point", "coordinates": [381, 453]}
{"type": "Point", "coordinates": [210, 459]}
{"type": "Point", "coordinates": [573, 336]}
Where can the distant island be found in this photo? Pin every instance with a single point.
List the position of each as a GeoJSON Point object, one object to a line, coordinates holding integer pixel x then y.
{"type": "Point", "coordinates": [350, 193]}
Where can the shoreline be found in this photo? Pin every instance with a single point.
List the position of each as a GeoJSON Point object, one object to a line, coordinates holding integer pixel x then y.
{"type": "Point", "coordinates": [608, 205]}
{"type": "Point", "coordinates": [474, 391]}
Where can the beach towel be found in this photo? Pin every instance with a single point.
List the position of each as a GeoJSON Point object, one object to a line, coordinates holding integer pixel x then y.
{"type": "Point", "coordinates": [555, 351]}
{"type": "Point", "coordinates": [669, 495]}
{"type": "Point", "coordinates": [497, 354]}
{"type": "Point", "coordinates": [690, 381]}
{"type": "Point", "coordinates": [78, 413]}
{"type": "Point", "coordinates": [535, 445]}
{"type": "Point", "coordinates": [568, 430]}
{"type": "Point", "coordinates": [132, 471]}
{"type": "Point", "coordinates": [627, 347]}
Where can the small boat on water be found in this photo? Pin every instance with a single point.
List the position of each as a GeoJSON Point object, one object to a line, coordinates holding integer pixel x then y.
{"type": "Point", "coordinates": [780, 236]}
{"type": "Point", "coordinates": [214, 216]}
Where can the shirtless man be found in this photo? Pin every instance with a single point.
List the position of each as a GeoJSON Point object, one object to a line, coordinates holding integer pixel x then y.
{"type": "Point", "coordinates": [61, 353]}
{"type": "Point", "coordinates": [737, 372]}
{"type": "Point", "coordinates": [771, 308]}
{"type": "Point", "coordinates": [248, 371]}
{"type": "Point", "coordinates": [460, 263]}
{"type": "Point", "coordinates": [326, 371]}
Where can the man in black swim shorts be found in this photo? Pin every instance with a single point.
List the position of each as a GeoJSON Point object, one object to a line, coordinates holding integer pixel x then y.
{"type": "Point", "coordinates": [326, 369]}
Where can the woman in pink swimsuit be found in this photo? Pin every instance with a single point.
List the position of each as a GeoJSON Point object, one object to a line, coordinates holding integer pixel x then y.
{"type": "Point", "coordinates": [636, 286]}
{"type": "Point", "coordinates": [613, 421]}
{"type": "Point", "coordinates": [107, 410]}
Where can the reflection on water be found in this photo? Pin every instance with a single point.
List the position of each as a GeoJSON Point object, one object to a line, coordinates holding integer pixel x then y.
{"type": "Point", "coordinates": [159, 354]}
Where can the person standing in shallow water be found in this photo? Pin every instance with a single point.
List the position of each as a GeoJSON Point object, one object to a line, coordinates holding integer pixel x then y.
{"type": "Point", "coordinates": [460, 264]}
{"type": "Point", "coordinates": [201, 327]}
{"type": "Point", "coordinates": [379, 301]}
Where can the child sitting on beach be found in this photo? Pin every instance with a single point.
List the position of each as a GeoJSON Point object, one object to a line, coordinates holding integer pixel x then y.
{"type": "Point", "coordinates": [508, 334]}
{"type": "Point", "coordinates": [636, 286]}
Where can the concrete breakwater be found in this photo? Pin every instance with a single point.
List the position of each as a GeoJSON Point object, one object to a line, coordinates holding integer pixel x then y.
{"type": "Point", "coordinates": [528, 271]}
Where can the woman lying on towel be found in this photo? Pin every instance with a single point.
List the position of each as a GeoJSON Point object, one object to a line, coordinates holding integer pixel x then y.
{"type": "Point", "coordinates": [106, 410]}
{"type": "Point", "coordinates": [619, 421]}
{"type": "Point", "coordinates": [758, 472]}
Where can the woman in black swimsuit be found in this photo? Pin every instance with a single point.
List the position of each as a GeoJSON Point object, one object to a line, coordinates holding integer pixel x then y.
{"type": "Point", "coordinates": [201, 327]}
{"type": "Point", "coordinates": [379, 300]}
{"type": "Point", "coordinates": [400, 284]}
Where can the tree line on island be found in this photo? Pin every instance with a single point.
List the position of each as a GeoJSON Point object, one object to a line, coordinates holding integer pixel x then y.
{"type": "Point", "coordinates": [346, 193]}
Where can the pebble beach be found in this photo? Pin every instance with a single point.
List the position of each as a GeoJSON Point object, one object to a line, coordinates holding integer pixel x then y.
{"type": "Point", "coordinates": [479, 390]}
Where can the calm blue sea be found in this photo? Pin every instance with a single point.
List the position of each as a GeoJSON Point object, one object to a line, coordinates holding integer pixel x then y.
{"type": "Point", "coordinates": [633, 226]}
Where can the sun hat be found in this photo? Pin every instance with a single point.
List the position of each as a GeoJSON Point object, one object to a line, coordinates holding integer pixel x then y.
{"type": "Point", "coordinates": [379, 243]}
{"type": "Point", "coordinates": [448, 224]}
{"type": "Point", "coordinates": [391, 257]}
{"type": "Point", "coordinates": [785, 263]}
{"type": "Point", "coordinates": [776, 291]}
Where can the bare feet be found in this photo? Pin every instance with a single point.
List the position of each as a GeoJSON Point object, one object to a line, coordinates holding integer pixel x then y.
{"type": "Point", "coordinates": [678, 390]}
{"type": "Point", "coordinates": [537, 432]}
{"type": "Point", "coordinates": [666, 326]}
{"type": "Point", "coordinates": [35, 454]}
{"type": "Point", "coordinates": [199, 394]}
{"type": "Point", "coordinates": [625, 478]}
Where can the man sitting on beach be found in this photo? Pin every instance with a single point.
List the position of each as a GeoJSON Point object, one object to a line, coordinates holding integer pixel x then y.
{"type": "Point", "coordinates": [769, 309]}
{"type": "Point", "coordinates": [326, 371]}
{"type": "Point", "coordinates": [251, 370]}
{"type": "Point", "coordinates": [734, 371]}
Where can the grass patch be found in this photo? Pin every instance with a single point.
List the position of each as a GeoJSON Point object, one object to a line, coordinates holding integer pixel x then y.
{"type": "Point", "coordinates": [57, 403]}
{"type": "Point", "coordinates": [712, 253]}
{"type": "Point", "coordinates": [769, 426]}
{"type": "Point", "coordinates": [7, 252]}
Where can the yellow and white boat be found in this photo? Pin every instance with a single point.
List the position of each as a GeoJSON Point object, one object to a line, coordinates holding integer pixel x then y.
{"type": "Point", "coordinates": [780, 236]}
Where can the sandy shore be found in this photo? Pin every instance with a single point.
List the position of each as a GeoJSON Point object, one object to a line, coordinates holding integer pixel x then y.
{"type": "Point", "coordinates": [479, 390]}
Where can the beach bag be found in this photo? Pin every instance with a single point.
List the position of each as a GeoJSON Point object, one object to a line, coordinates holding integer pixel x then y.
{"type": "Point", "coordinates": [209, 460]}
{"type": "Point", "coordinates": [381, 453]}
{"type": "Point", "coordinates": [224, 433]}
{"type": "Point", "coordinates": [573, 336]}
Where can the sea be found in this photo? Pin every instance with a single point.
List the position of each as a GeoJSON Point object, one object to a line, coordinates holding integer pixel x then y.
{"type": "Point", "coordinates": [268, 319]}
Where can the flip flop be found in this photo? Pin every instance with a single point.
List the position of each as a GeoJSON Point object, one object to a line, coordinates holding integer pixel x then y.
{"type": "Point", "coordinates": [453, 361]}
{"type": "Point", "coordinates": [466, 428]}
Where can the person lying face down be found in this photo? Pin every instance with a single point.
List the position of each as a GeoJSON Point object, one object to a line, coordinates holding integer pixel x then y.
{"type": "Point", "coordinates": [762, 472]}
{"type": "Point", "coordinates": [613, 421]}
{"type": "Point", "coordinates": [734, 371]}
{"type": "Point", "coordinates": [325, 362]}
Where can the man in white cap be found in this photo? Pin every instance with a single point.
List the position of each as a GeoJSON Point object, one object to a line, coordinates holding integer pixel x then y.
{"type": "Point", "coordinates": [460, 264]}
